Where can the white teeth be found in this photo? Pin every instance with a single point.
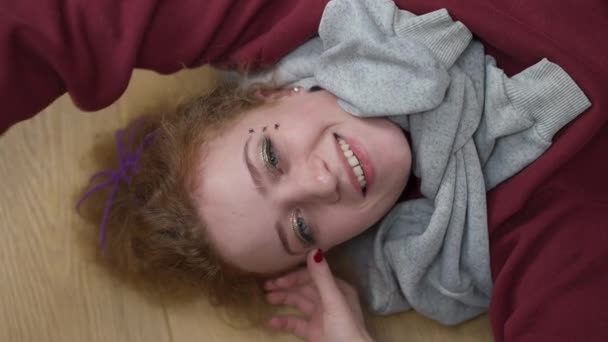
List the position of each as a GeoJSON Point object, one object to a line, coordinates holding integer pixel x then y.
{"type": "Point", "coordinates": [362, 181]}
{"type": "Point", "coordinates": [353, 162]}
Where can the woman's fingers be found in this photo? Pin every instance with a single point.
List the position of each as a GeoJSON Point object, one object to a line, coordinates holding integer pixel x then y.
{"type": "Point", "coordinates": [292, 298]}
{"type": "Point", "coordinates": [289, 280]}
{"type": "Point", "coordinates": [330, 305]}
{"type": "Point", "coordinates": [289, 323]}
{"type": "Point", "coordinates": [321, 275]}
{"type": "Point", "coordinates": [347, 290]}
{"type": "Point", "coordinates": [309, 291]}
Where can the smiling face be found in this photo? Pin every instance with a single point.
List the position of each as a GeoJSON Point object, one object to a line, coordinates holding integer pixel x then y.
{"type": "Point", "coordinates": [296, 174]}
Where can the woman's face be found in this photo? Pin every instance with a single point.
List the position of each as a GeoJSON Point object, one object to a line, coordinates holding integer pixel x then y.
{"type": "Point", "coordinates": [286, 178]}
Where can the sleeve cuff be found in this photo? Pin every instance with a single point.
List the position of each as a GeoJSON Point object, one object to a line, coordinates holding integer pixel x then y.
{"type": "Point", "coordinates": [549, 95]}
{"type": "Point", "coordinates": [438, 32]}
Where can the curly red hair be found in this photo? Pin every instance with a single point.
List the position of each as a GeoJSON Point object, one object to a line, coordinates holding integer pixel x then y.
{"type": "Point", "coordinates": [154, 229]}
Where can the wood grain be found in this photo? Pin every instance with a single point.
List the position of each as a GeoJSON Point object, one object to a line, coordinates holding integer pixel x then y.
{"type": "Point", "coordinates": [51, 289]}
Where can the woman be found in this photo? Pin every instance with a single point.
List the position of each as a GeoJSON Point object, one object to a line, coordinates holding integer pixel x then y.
{"type": "Point", "coordinates": [227, 191]}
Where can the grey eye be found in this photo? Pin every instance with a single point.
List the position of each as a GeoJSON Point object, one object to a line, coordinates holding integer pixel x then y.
{"type": "Point", "coordinates": [301, 229]}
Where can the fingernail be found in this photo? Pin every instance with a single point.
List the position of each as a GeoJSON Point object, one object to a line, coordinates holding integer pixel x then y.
{"type": "Point", "coordinates": [318, 257]}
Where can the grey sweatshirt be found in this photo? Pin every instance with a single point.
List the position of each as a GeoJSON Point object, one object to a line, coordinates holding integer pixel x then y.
{"type": "Point", "coordinates": [471, 127]}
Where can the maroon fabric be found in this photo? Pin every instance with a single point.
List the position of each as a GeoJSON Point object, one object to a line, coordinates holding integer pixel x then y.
{"type": "Point", "coordinates": [548, 230]}
{"type": "Point", "coordinates": [90, 48]}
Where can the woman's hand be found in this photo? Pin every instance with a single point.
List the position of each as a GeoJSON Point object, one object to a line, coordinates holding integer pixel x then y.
{"type": "Point", "coordinates": [330, 305]}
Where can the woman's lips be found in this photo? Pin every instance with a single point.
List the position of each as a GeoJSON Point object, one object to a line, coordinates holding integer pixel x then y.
{"type": "Point", "coordinates": [364, 160]}
{"type": "Point", "coordinates": [361, 154]}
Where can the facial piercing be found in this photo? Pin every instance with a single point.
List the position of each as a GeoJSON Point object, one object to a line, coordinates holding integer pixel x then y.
{"type": "Point", "coordinates": [296, 89]}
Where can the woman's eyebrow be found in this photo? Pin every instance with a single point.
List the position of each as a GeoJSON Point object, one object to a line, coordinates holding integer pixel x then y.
{"type": "Point", "coordinates": [255, 174]}
{"type": "Point", "coordinates": [281, 232]}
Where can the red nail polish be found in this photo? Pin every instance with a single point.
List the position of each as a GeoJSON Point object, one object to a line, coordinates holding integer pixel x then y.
{"type": "Point", "coordinates": [318, 257]}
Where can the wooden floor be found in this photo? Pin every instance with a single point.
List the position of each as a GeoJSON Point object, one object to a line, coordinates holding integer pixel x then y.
{"type": "Point", "coordinates": [50, 287]}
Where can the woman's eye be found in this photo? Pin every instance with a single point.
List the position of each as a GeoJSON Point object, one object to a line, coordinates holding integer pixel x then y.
{"type": "Point", "coordinates": [302, 230]}
{"type": "Point", "coordinates": [269, 155]}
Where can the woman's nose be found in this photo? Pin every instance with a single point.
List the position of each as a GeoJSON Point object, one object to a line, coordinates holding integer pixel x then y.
{"type": "Point", "coordinates": [315, 182]}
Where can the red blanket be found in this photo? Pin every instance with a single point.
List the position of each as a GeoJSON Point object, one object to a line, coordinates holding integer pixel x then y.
{"type": "Point", "coordinates": [548, 224]}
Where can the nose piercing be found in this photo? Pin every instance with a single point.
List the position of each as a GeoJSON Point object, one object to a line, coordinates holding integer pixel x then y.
{"type": "Point", "coordinates": [296, 89]}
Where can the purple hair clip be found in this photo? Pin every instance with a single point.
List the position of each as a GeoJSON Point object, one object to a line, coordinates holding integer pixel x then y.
{"type": "Point", "coordinates": [128, 158]}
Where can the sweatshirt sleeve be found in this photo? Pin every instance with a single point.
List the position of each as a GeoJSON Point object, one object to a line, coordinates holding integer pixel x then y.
{"type": "Point", "coordinates": [521, 116]}
{"type": "Point", "coordinates": [89, 48]}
